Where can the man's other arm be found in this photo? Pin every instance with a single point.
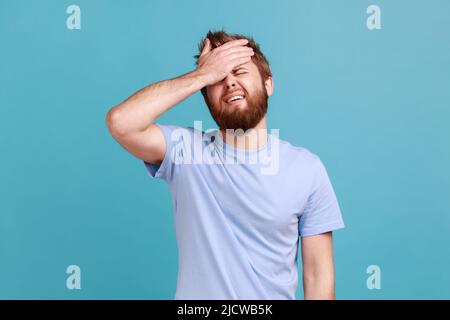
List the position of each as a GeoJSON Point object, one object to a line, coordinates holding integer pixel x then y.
{"type": "Point", "coordinates": [318, 267]}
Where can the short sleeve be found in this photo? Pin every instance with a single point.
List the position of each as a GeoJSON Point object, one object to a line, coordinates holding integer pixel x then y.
{"type": "Point", "coordinates": [178, 141]}
{"type": "Point", "coordinates": [322, 212]}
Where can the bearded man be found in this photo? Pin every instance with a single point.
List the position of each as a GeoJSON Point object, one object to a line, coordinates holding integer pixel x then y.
{"type": "Point", "coordinates": [238, 227]}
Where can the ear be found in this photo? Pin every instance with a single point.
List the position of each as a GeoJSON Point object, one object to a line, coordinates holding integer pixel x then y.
{"type": "Point", "coordinates": [269, 86]}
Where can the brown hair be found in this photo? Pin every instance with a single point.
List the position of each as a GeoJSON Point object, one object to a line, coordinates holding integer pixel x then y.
{"type": "Point", "coordinates": [218, 38]}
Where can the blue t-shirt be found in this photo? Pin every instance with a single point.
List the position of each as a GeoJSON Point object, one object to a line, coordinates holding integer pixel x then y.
{"type": "Point", "coordinates": [239, 214]}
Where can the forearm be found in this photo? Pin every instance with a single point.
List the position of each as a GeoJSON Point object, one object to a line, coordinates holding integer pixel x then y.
{"type": "Point", "coordinates": [142, 108]}
{"type": "Point", "coordinates": [319, 286]}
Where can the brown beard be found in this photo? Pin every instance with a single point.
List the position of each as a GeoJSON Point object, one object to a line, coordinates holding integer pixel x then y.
{"type": "Point", "coordinates": [235, 117]}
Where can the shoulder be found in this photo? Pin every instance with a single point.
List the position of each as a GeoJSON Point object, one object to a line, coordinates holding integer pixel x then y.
{"type": "Point", "coordinates": [297, 153]}
{"type": "Point", "coordinates": [176, 133]}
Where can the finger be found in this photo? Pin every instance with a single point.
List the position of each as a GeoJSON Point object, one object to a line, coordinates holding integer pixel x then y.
{"type": "Point", "coordinates": [233, 50]}
{"type": "Point", "coordinates": [234, 43]}
{"type": "Point", "coordinates": [235, 56]}
{"type": "Point", "coordinates": [206, 47]}
{"type": "Point", "coordinates": [236, 48]}
{"type": "Point", "coordinates": [239, 61]}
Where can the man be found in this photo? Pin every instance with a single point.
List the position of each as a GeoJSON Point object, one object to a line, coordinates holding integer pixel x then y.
{"type": "Point", "coordinates": [237, 226]}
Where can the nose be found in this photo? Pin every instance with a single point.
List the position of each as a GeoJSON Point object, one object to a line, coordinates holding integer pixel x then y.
{"type": "Point", "coordinates": [230, 81]}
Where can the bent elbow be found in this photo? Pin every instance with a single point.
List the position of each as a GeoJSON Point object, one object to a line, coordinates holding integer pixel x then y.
{"type": "Point", "coordinates": [113, 123]}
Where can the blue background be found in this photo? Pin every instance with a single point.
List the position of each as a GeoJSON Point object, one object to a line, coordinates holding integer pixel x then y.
{"type": "Point", "coordinates": [374, 105]}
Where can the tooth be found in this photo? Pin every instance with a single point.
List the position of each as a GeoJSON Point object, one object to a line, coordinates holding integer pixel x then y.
{"type": "Point", "coordinates": [234, 98]}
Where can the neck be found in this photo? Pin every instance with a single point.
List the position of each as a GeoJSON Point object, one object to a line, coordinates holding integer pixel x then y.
{"type": "Point", "coordinates": [253, 139]}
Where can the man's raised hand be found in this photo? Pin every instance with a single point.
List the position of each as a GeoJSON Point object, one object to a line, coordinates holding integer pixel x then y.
{"type": "Point", "coordinates": [214, 65]}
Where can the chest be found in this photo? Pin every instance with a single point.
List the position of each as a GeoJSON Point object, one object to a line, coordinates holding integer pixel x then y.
{"type": "Point", "coordinates": [252, 201]}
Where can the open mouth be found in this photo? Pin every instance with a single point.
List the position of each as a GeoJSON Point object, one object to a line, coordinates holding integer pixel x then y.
{"type": "Point", "coordinates": [235, 99]}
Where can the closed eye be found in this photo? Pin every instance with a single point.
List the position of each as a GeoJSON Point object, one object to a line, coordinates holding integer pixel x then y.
{"type": "Point", "coordinates": [240, 71]}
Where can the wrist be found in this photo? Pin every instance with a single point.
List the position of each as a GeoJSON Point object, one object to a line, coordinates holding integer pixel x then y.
{"type": "Point", "coordinates": [200, 78]}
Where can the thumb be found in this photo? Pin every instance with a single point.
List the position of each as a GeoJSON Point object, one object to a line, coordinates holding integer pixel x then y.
{"type": "Point", "coordinates": [207, 47]}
